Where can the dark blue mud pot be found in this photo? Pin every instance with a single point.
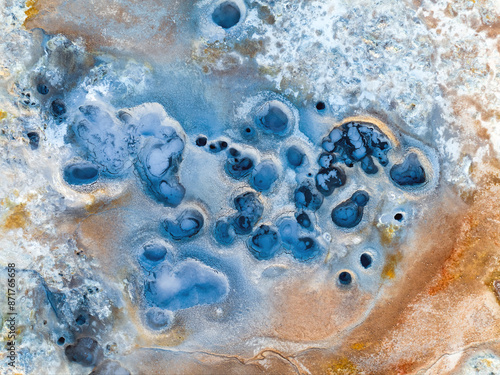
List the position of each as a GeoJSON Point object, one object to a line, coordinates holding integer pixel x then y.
{"type": "Point", "coordinates": [226, 15]}
{"type": "Point", "coordinates": [349, 213]}
{"type": "Point", "coordinates": [356, 142]}
{"type": "Point", "coordinates": [305, 249]}
{"type": "Point", "coordinates": [42, 89]}
{"type": "Point", "coordinates": [264, 175]}
{"type": "Point", "coordinates": [368, 166]}
{"type": "Point", "coordinates": [85, 351]}
{"type": "Point", "coordinates": [238, 168]}
{"type": "Point", "coordinates": [264, 243]}
{"type": "Point", "coordinates": [234, 152]}
{"type": "Point", "coordinates": [81, 320]}
{"type": "Point", "coordinates": [170, 193]}
{"type": "Point", "coordinates": [224, 232]}
{"type": "Point", "coordinates": [345, 278]}
{"type": "Point", "coordinates": [152, 254]}
{"type": "Point", "coordinates": [34, 140]}
{"type": "Point", "coordinates": [250, 210]}
{"type": "Point", "coordinates": [201, 141]}
{"type": "Point", "coordinates": [328, 179]}
{"type": "Point", "coordinates": [273, 120]}
{"type": "Point", "coordinates": [58, 108]}
{"type": "Point", "coordinates": [320, 106]}
{"type": "Point", "coordinates": [409, 173]}
{"type": "Point", "coordinates": [361, 198]}
{"type": "Point", "coordinates": [187, 225]}
{"type": "Point", "coordinates": [80, 174]}
{"type": "Point", "coordinates": [366, 260]}
{"type": "Point", "coordinates": [302, 249]}
{"type": "Point", "coordinates": [307, 197]}
{"type": "Point", "coordinates": [304, 220]}
{"type": "Point", "coordinates": [294, 156]}
{"type": "Point", "coordinates": [189, 284]}
{"type": "Point", "coordinates": [242, 224]}
{"type": "Point", "coordinates": [249, 204]}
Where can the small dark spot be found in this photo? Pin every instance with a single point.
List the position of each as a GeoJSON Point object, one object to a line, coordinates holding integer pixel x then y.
{"type": "Point", "coordinates": [366, 260]}
{"type": "Point", "coordinates": [42, 89]}
{"type": "Point", "coordinates": [320, 106]}
{"type": "Point", "coordinates": [248, 133]}
{"type": "Point", "coordinates": [201, 141]}
{"type": "Point", "coordinates": [398, 216]}
{"type": "Point", "coordinates": [345, 278]}
{"type": "Point", "coordinates": [234, 152]}
{"type": "Point", "coordinates": [61, 340]}
{"type": "Point", "coordinates": [44, 322]}
{"type": "Point", "coordinates": [223, 145]}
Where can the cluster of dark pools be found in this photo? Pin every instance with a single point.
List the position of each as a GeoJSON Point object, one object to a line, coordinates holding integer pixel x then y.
{"type": "Point", "coordinates": [156, 153]}
{"type": "Point", "coordinates": [157, 156]}
{"type": "Point", "coordinates": [113, 146]}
